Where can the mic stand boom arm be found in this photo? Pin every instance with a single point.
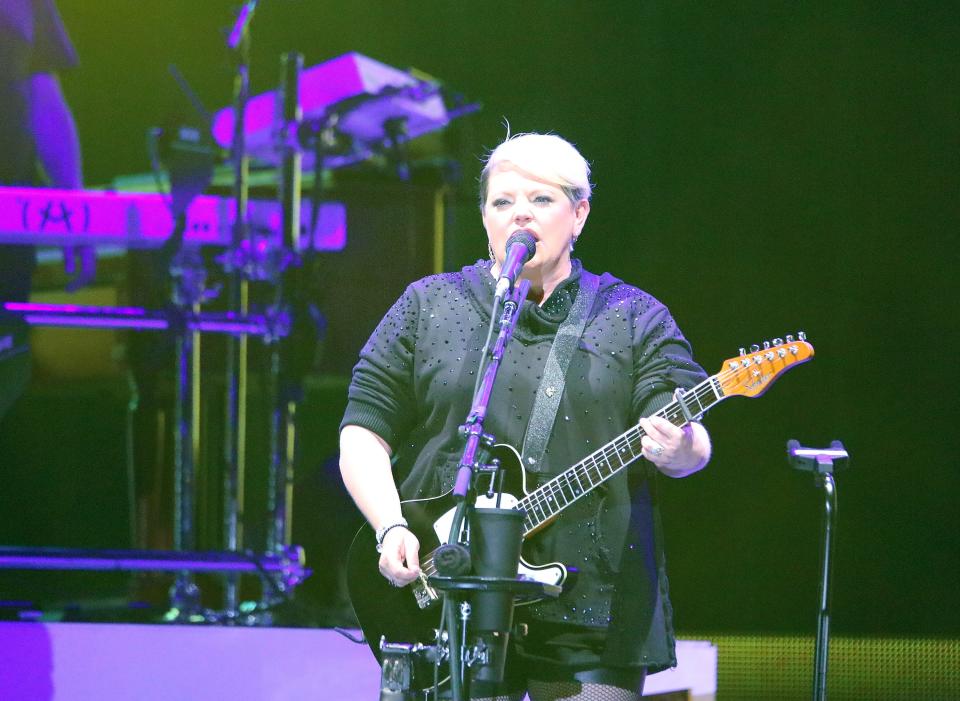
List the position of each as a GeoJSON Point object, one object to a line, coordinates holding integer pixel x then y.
{"type": "Point", "coordinates": [472, 430]}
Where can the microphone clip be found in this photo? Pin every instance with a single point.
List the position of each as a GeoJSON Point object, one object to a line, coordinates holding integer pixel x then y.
{"type": "Point", "coordinates": [818, 460]}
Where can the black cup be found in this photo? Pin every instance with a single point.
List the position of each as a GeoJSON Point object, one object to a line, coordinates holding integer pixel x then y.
{"type": "Point", "coordinates": [495, 539]}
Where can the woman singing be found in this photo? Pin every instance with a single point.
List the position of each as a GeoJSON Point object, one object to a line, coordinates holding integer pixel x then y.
{"type": "Point", "coordinates": [412, 389]}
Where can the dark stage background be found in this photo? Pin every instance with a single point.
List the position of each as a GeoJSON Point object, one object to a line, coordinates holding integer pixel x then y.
{"type": "Point", "coordinates": [761, 167]}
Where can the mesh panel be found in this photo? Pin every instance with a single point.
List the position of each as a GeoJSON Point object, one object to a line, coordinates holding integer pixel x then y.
{"type": "Point", "coordinates": [762, 667]}
{"type": "Point", "coordinates": [888, 669]}
{"type": "Point", "coordinates": [575, 691]}
{"type": "Point", "coordinates": [571, 691]}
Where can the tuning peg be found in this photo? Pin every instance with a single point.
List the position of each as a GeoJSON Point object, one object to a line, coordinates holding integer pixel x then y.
{"type": "Point", "coordinates": [766, 345]}
{"type": "Point", "coordinates": [778, 341]}
{"type": "Point", "coordinates": [754, 348]}
{"type": "Point", "coordinates": [789, 338]}
{"type": "Point", "coordinates": [802, 335]}
{"type": "Point", "coordinates": [743, 351]}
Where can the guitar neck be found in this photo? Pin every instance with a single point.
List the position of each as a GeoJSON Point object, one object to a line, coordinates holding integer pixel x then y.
{"type": "Point", "coordinates": [748, 375]}
{"type": "Point", "coordinates": [547, 501]}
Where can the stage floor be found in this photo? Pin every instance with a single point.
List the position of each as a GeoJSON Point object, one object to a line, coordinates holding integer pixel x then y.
{"type": "Point", "coordinates": [107, 662]}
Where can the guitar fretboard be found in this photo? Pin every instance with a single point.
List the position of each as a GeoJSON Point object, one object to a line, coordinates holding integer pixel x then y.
{"type": "Point", "coordinates": [749, 375]}
{"type": "Point", "coordinates": [548, 500]}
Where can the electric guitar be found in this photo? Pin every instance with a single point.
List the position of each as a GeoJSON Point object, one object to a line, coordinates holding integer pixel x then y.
{"type": "Point", "coordinates": [406, 615]}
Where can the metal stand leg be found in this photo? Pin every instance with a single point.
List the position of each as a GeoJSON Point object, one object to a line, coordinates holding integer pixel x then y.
{"type": "Point", "coordinates": [237, 293]}
{"type": "Point", "coordinates": [185, 596]}
{"type": "Point", "coordinates": [823, 617]}
{"type": "Point", "coordinates": [282, 455]}
{"type": "Point", "coordinates": [283, 397]}
{"type": "Point", "coordinates": [235, 430]}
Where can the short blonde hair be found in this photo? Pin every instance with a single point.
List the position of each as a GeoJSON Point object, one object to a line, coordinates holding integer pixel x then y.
{"type": "Point", "coordinates": [544, 156]}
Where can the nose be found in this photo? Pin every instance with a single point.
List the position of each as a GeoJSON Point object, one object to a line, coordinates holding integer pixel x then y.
{"type": "Point", "coordinates": [521, 214]}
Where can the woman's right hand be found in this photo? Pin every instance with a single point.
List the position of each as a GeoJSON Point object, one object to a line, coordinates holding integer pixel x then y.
{"type": "Point", "coordinates": [400, 557]}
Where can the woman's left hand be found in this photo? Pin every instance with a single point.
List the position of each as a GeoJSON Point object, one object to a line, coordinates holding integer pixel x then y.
{"type": "Point", "coordinates": [677, 452]}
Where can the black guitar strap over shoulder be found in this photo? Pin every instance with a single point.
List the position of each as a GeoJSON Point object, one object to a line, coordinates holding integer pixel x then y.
{"type": "Point", "coordinates": [554, 373]}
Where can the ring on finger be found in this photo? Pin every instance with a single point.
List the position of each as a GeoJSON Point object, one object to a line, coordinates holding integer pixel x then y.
{"type": "Point", "coordinates": [657, 450]}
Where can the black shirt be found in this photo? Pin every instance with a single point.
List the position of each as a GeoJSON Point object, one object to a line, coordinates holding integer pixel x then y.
{"type": "Point", "coordinates": [413, 384]}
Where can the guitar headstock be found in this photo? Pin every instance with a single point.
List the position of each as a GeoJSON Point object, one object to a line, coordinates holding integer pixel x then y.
{"type": "Point", "coordinates": [750, 374]}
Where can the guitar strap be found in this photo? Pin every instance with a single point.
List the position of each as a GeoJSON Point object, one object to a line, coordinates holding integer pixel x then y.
{"type": "Point", "coordinates": [548, 395]}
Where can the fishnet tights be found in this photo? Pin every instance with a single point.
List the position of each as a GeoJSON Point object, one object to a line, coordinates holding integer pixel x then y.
{"type": "Point", "coordinates": [570, 691]}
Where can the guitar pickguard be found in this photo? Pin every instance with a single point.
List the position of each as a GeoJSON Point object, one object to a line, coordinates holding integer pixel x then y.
{"type": "Point", "coordinates": [442, 525]}
{"type": "Point", "coordinates": [554, 573]}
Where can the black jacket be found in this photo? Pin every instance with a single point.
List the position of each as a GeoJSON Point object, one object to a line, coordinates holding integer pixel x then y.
{"type": "Point", "coordinates": [413, 385]}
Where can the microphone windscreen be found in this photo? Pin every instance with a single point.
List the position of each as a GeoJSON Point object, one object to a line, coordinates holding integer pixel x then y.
{"type": "Point", "coordinates": [525, 239]}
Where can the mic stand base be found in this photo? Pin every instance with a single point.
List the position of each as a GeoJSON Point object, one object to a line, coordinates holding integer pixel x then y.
{"type": "Point", "coordinates": [460, 592]}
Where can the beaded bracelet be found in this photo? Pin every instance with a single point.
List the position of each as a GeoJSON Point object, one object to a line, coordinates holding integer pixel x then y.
{"type": "Point", "coordinates": [382, 532]}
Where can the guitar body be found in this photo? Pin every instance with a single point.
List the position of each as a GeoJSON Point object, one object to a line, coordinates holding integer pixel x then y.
{"type": "Point", "coordinates": [411, 614]}
{"type": "Point", "coordinates": [385, 611]}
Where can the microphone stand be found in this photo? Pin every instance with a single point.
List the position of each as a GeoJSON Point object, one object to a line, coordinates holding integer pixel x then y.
{"type": "Point", "coordinates": [486, 598]}
{"type": "Point", "coordinates": [189, 290]}
{"type": "Point", "coordinates": [473, 428]}
{"type": "Point", "coordinates": [286, 388]}
{"type": "Point", "coordinates": [190, 172]}
{"type": "Point", "coordinates": [474, 460]}
{"type": "Point", "coordinates": [821, 462]}
{"type": "Point", "coordinates": [237, 299]}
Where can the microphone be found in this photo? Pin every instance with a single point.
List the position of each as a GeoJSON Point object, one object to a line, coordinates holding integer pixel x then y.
{"type": "Point", "coordinates": [521, 247]}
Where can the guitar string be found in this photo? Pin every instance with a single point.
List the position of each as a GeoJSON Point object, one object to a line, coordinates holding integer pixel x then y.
{"type": "Point", "coordinates": [542, 496]}
{"type": "Point", "coordinates": [672, 412]}
{"type": "Point", "coordinates": [602, 457]}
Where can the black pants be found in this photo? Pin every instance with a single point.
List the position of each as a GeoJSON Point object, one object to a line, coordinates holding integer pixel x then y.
{"type": "Point", "coordinates": [560, 654]}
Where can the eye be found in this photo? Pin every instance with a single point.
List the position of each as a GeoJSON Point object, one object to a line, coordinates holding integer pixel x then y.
{"type": "Point", "coordinates": [499, 202]}
{"type": "Point", "coordinates": [543, 199]}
